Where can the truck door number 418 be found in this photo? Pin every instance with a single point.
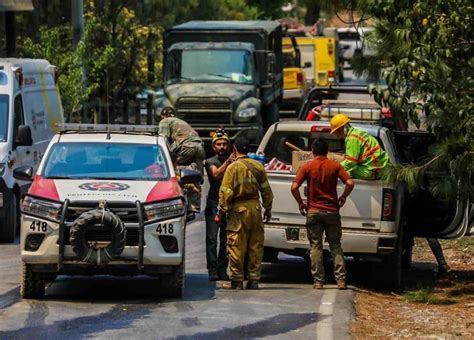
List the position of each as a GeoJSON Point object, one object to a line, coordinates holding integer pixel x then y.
{"type": "Point", "coordinates": [165, 228]}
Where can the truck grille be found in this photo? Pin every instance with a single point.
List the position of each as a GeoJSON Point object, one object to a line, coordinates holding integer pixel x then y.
{"type": "Point", "coordinates": [126, 211]}
{"type": "Point", "coordinates": [205, 110]}
{"type": "Point", "coordinates": [105, 236]}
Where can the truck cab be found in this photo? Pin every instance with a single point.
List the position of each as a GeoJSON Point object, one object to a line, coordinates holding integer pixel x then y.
{"type": "Point", "coordinates": [224, 74]}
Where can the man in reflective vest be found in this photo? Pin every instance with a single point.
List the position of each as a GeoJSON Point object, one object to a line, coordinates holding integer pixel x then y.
{"type": "Point", "coordinates": [364, 159]}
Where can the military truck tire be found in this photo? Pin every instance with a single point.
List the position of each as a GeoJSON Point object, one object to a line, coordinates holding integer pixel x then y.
{"type": "Point", "coordinates": [81, 247]}
{"type": "Point", "coordinates": [32, 285]}
{"type": "Point", "coordinates": [271, 115]}
{"type": "Point", "coordinates": [9, 226]}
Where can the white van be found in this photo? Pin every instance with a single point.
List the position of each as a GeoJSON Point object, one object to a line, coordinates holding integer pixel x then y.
{"type": "Point", "coordinates": [30, 108]}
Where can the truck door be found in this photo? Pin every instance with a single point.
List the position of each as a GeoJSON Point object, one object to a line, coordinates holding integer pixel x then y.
{"type": "Point", "coordinates": [426, 215]}
{"type": "Point", "coordinates": [23, 154]}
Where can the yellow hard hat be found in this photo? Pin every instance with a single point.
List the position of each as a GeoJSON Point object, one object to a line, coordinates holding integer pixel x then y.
{"type": "Point", "coordinates": [219, 134]}
{"type": "Point", "coordinates": [339, 121]}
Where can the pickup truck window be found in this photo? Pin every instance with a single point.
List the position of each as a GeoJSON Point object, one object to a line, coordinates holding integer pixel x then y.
{"type": "Point", "coordinates": [211, 65]}
{"type": "Point", "coordinates": [106, 161]}
{"type": "Point", "coordinates": [277, 145]}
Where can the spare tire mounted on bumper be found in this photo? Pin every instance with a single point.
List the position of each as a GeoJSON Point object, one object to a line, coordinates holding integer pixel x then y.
{"type": "Point", "coordinates": [93, 252]}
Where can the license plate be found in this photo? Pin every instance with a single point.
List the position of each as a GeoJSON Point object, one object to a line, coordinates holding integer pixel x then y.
{"type": "Point", "coordinates": [303, 235]}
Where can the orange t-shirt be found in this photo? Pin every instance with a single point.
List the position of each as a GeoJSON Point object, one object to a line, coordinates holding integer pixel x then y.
{"type": "Point", "coordinates": [321, 174]}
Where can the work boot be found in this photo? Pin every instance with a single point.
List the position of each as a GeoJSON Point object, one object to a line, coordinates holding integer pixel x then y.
{"type": "Point", "coordinates": [318, 285]}
{"type": "Point", "coordinates": [252, 284]}
{"type": "Point", "coordinates": [236, 285]}
{"type": "Point", "coordinates": [443, 269]}
{"type": "Point", "coordinates": [341, 284]}
{"type": "Point", "coordinates": [213, 276]}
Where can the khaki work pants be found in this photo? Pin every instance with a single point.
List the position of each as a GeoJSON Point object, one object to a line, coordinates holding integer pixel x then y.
{"type": "Point", "coordinates": [330, 224]}
{"type": "Point", "coordinates": [245, 237]}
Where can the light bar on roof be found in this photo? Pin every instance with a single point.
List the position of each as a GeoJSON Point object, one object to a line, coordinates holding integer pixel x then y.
{"type": "Point", "coordinates": [107, 127]}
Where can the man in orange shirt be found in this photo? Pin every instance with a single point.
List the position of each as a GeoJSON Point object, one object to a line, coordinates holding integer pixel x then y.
{"type": "Point", "coordinates": [322, 210]}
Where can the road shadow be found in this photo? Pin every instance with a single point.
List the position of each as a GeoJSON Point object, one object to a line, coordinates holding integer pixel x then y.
{"type": "Point", "coordinates": [131, 290]}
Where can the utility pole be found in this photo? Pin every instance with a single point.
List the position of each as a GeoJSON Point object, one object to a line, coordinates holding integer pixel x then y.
{"type": "Point", "coordinates": [77, 8]}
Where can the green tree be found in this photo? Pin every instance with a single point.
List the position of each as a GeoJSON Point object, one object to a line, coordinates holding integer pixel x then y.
{"type": "Point", "coordinates": [426, 56]}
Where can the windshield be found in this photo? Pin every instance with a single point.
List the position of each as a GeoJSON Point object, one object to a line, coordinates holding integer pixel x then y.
{"type": "Point", "coordinates": [106, 161]}
{"type": "Point", "coordinates": [3, 117]}
{"type": "Point", "coordinates": [289, 59]}
{"type": "Point", "coordinates": [278, 148]}
{"type": "Point", "coordinates": [209, 66]}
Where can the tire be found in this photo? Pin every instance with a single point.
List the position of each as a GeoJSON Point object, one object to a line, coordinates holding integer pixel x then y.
{"type": "Point", "coordinates": [172, 285]}
{"type": "Point", "coordinates": [81, 247]}
{"type": "Point", "coordinates": [391, 273]}
{"type": "Point", "coordinates": [10, 224]}
{"type": "Point", "coordinates": [32, 285]}
{"type": "Point", "coordinates": [272, 115]}
{"type": "Point", "coordinates": [407, 257]}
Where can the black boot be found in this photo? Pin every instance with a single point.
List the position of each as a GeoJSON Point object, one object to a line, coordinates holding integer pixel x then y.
{"type": "Point", "coordinates": [252, 284]}
{"type": "Point", "coordinates": [236, 285]}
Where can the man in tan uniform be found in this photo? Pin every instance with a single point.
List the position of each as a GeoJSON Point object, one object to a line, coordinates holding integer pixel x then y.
{"type": "Point", "coordinates": [239, 198]}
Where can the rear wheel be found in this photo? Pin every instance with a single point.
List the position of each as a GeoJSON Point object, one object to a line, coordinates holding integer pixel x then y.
{"type": "Point", "coordinates": [391, 273]}
{"type": "Point", "coordinates": [32, 285]}
{"type": "Point", "coordinates": [9, 226]}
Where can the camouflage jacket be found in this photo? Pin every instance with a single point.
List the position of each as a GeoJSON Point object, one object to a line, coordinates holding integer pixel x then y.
{"type": "Point", "coordinates": [239, 184]}
{"type": "Point", "coordinates": [178, 133]}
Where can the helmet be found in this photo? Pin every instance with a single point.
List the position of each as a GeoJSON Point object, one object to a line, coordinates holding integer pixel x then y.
{"type": "Point", "coordinates": [339, 121]}
{"type": "Point", "coordinates": [168, 112]}
{"type": "Point", "coordinates": [219, 134]}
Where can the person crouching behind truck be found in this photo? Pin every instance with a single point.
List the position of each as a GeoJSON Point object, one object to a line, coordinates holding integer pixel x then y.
{"type": "Point", "coordinates": [239, 198]}
{"type": "Point", "coordinates": [365, 158]}
{"type": "Point", "coordinates": [322, 210]}
{"type": "Point", "coordinates": [187, 145]}
{"type": "Point", "coordinates": [215, 167]}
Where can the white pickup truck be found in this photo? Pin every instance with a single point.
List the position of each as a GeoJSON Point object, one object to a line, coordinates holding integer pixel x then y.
{"type": "Point", "coordinates": [379, 221]}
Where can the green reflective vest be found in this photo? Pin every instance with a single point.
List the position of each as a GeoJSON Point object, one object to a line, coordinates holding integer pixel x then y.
{"type": "Point", "coordinates": [364, 156]}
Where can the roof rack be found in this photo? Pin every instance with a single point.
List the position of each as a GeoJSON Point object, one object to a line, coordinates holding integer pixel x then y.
{"type": "Point", "coordinates": [107, 128]}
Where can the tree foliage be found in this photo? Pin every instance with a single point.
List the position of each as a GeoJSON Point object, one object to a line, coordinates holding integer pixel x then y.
{"type": "Point", "coordinates": [426, 56]}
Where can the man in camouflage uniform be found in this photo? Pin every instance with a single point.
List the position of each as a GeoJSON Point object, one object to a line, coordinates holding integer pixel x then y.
{"type": "Point", "coordinates": [239, 197]}
{"type": "Point", "coordinates": [187, 145]}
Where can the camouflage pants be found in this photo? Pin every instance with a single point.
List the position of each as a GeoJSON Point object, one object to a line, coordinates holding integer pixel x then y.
{"type": "Point", "coordinates": [329, 223]}
{"type": "Point", "coordinates": [245, 236]}
{"type": "Point", "coordinates": [191, 156]}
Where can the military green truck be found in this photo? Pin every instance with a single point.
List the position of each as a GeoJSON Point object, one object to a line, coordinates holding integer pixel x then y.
{"type": "Point", "coordinates": [224, 74]}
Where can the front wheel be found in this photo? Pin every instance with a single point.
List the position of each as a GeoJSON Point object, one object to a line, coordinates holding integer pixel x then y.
{"type": "Point", "coordinates": [32, 285]}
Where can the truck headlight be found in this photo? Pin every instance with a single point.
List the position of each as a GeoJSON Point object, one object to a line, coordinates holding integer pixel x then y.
{"type": "Point", "coordinates": [41, 208]}
{"type": "Point", "coordinates": [164, 210]}
{"type": "Point", "coordinates": [247, 113]}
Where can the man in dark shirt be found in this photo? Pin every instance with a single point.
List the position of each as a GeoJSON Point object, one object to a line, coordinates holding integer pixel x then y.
{"type": "Point", "coordinates": [322, 210]}
{"type": "Point", "coordinates": [215, 168]}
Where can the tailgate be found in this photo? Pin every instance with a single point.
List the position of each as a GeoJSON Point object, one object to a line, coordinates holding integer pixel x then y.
{"type": "Point", "coordinates": [290, 78]}
{"type": "Point", "coordinates": [363, 208]}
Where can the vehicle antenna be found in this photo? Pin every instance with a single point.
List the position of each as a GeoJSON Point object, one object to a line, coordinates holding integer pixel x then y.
{"type": "Point", "coordinates": [107, 102]}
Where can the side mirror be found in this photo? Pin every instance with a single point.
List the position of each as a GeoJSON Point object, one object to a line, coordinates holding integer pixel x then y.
{"type": "Point", "coordinates": [189, 176]}
{"type": "Point", "coordinates": [23, 173]}
{"type": "Point", "coordinates": [307, 64]}
{"type": "Point", "coordinates": [24, 136]}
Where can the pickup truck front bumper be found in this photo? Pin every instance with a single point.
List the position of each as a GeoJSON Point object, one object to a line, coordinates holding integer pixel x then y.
{"type": "Point", "coordinates": [353, 241]}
